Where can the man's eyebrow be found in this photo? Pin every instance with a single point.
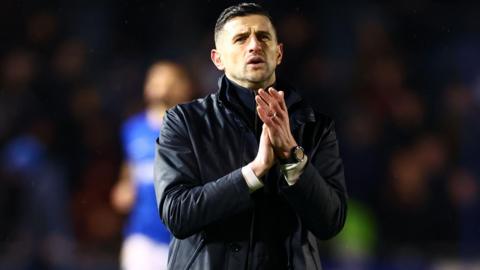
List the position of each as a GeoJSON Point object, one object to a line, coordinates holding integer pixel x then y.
{"type": "Point", "coordinates": [265, 33]}
{"type": "Point", "coordinates": [246, 33]}
{"type": "Point", "coordinates": [241, 34]}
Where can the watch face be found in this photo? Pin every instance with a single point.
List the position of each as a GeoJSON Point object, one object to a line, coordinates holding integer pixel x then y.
{"type": "Point", "coordinates": [299, 154]}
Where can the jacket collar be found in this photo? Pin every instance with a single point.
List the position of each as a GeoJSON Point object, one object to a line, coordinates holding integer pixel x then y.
{"type": "Point", "coordinates": [299, 110]}
{"type": "Point", "coordinates": [291, 99]}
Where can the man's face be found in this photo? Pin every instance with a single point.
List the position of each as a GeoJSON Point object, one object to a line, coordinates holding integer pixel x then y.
{"type": "Point", "coordinates": [167, 84]}
{"type": "Point", "coordinates": [248, 52]}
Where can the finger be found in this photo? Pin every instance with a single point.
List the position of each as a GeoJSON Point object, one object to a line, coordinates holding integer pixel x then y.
{"type": "Point", "coordinates": [265, 128]}
{"type": "Point", "coordinates": [264, 135]}
{"type": "Point", "coordinates": [275, 94]}
{"type": "Point", "coordinates": [282, 100]}
{"type": "Point", "coordinates": [259, 89]}
{"type": "Point", "coordinates": [276, 119]}
{"type": "Point", "coordinates": [279, 97]}
{"type": "Point", "coordinates": [277, 110]}
{"type": "Point", "coordinates": [271, 110]}
{"type": "Point", "coordinates": [262, 103]}
{"type": "Point", "coordinates": [262, 113]}
{"type": "Point", "coordinates": [265, 96]}
{"type": "Point", "coordinates": [272, 119]}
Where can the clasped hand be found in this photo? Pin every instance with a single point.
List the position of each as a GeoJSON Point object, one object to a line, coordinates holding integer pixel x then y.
{"type": "Point", "coordinates": [276, 139]}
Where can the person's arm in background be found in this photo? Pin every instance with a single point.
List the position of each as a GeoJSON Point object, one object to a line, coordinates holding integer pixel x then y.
{"type": "Point", "coordinates": [123, 192]}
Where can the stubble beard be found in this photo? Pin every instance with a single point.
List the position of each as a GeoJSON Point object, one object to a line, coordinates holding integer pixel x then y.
{"type": "Point", "coordinates": [259, 78]}
{"type": "Point", "coordinates": [253, 79]}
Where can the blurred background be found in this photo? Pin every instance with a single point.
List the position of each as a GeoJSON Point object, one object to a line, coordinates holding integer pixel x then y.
{"type": "Point", "coordinates": [401, 80]}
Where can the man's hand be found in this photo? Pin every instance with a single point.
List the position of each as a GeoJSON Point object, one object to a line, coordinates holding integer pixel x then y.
{"type": "Point", "coordinates": [265, 157]}
{"type": "Point", "coordinates": [272, 110]}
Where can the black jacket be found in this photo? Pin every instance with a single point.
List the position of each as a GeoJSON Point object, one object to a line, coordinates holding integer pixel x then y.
{"type": "Point", "coordinates": [205, 202]}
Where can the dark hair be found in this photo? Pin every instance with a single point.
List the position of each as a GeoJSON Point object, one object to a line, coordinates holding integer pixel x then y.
{"type": "Point", "coordinates": [240, 10]}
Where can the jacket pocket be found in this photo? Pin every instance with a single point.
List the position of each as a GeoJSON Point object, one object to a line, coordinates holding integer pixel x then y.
{"type": "Point", "coordinates": [197, 250]}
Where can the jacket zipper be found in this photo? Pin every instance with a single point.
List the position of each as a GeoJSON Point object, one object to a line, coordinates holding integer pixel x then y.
{"type": "Point", "coordinates": [252, 222]}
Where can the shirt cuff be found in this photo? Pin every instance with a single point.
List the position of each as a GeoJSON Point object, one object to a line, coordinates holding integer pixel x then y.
{"type": "Point", "coordinates": [252, 180]}
{"type": "Point", "coordinates": [292, 171]}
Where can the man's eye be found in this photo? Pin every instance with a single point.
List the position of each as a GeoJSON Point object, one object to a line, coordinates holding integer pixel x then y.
{"type": "Point", "coordinates": [241, 39]}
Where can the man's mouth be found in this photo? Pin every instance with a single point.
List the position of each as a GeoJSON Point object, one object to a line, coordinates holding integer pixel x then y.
{"type": "Point", "coordinates": [255, 60]}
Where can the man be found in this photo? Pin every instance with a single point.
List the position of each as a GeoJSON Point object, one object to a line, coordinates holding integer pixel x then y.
{"type": "Point", "coordinates": [146, 239]}
{"type": "Point", "coordinates": [239, 194]}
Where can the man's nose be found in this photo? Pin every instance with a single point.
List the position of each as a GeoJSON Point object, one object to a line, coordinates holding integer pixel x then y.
{"type": "Point", "coordinates": [254, 44]}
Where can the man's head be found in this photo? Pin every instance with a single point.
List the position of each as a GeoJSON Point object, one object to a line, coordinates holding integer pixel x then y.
{"type": "Point", "coordinates": [166, 85]}
{"type": "Point", "coordinates": [246, 46]}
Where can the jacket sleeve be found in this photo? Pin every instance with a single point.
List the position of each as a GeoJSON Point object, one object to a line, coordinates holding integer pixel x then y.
{"type": "Point", "coordinates": [186, 206]}
{"type": "Point", "coordinates": [319, 196]}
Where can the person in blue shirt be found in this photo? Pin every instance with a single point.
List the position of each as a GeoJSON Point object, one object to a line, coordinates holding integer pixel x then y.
{"type": "Point", "coordinates": [146, 239]}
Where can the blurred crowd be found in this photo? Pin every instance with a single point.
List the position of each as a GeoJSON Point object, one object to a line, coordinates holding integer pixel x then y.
{"type": "Point", "coordinates": [401, 80]}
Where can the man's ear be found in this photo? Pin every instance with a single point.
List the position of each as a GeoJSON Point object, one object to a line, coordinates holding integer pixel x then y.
{"type": "Point", "coordinates": [279, 53]}
{"type": "Point", "coordinates": [217, 59]}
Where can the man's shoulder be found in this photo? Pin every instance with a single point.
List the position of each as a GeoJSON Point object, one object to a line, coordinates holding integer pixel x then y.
{"type": "Point", "coordinates": [322, 118]}
{"type": "Point", "coordinates": [305, 112]}
{"type": "Point", "coordinates": [195, 107]}
{"type": "Point", "coordinates": [316, 118]}
{"type": "Point", "coordinates": [324, 124]}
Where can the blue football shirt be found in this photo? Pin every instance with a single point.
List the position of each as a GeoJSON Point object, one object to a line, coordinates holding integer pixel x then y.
{"type": "Point", "coordinates": [139, 146]}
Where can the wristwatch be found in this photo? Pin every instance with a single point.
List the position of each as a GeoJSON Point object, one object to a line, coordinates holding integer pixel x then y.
{"type": "Point", "coordinates": [297, 154]}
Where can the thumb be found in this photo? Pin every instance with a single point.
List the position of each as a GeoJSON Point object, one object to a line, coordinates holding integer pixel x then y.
{"type": "Point", "coordinates": [264, 136]}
